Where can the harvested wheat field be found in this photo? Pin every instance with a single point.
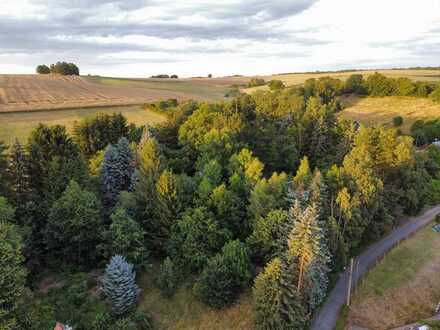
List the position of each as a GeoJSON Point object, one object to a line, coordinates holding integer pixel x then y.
{"type": "Point", "coordinates": [46, 92]}
{"type": "Point", "coordinates": [381, 110]}
{"type": "Point", "coordinates": [403, 288]}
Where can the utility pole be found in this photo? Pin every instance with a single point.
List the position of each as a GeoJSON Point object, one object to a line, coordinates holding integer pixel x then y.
{"type": "Point", "coordinates": [349, 282]}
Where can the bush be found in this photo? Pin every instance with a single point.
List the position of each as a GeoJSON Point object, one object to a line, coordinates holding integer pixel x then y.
{"type": "Point", "coordinates": [275, 85]}
{"type": "Point", "coordinates": [355, 84]}
{"type": "Point", "coordinates": [119, 285]}
{"type": "Point", "coordinates": [168, 278]}
{"type": "Point", "coordinates": [43, 69]}
{"type": "Point", "coordinates": [254, 82]}
{"type": "Point", "coordinates": [225, 275]}
{"type": "Point", "coordinates": [397, 121]}
{"type": "Point", "coordinates": [435, 95]}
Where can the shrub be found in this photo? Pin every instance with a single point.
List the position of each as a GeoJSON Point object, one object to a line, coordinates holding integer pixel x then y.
{"type": "Point", "coordinates": [168, 278]}
{"type": "Point", "coordinates": [43, 69]}
{"type": "Point", "coordinates": [225, 275]}
{"type": "Point", "coordinates": [355, 84]}
{"type": "Point", "coordinates": [119, 285]}
{"type": "Point", "coordinates": [435, 95]}
{"type": "Point", "coordinates": [397, 121]}
{"type": "Point", "coordinates": [275, 85]}
{"type": "Point", "coordinates": [254, 82]}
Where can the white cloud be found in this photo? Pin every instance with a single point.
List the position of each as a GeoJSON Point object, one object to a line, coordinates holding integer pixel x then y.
{"type": "Point", "coordinates": [196, 37]}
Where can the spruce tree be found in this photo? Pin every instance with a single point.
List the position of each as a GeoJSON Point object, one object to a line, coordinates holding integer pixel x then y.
{"type": "Point", "coordinates": [306, 246]}
{"type": "Point", "coordinates": [116, 171]}
{"type": "Point", "coordinates": [119, 285]}
{"type": "Point", "coordinates": [17, 174]}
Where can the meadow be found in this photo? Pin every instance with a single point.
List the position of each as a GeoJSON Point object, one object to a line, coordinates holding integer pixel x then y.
{"type": "Point", "coordinates": [18, 125]}
{"type": "Point", "coordinates": [402, 288]}
{"type": "Point", "coordinates": [381, 110]}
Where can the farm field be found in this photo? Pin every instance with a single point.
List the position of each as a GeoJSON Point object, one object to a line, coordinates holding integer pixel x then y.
{"type": "Point", "coordinates": [46, 92]}
{"type": "Point", "coordinates": [292, 79]}
{"type": "Point", "coordinates": [20, 124]}
{"type": "Point", "coordinates": [403, 288]}
{"type": "Point", "coordinates": [382, 110]}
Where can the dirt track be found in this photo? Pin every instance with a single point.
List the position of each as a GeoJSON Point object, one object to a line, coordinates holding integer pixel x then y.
{"type": "Point", "coordinates": [328, 315]}
{"type": "Point", "coordinates": [37, 92]}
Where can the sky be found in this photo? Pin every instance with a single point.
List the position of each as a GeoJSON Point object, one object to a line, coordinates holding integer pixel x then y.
{"type": "Point", "coordinates": [139, 38]}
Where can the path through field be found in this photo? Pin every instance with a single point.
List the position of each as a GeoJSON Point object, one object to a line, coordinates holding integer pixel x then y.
{"type": "Point", "coordinates": [327, 316]}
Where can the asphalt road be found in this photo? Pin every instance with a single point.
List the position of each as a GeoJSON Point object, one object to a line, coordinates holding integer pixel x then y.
{"type": "Point", "coordinates": [327, 316]}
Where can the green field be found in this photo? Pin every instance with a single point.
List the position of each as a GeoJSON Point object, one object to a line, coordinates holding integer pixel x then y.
{"type": "Point", "coordinates": [403, 288]}
{"type": "Point", "coordinates": [20, 124]}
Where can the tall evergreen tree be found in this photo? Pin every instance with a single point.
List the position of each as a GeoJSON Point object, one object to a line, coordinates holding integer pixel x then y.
{"type": "Point", "coordinates": [116, 171]}
{"type": "Point", "coordinates": [18, 177]}
{"type": "Point", "coordinates": [307, 247]}
{"type": "Point", "coordinates": [119, 285]}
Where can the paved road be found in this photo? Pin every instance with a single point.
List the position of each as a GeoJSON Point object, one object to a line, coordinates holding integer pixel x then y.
{"type": "Point", "coordinates": [327, 316]}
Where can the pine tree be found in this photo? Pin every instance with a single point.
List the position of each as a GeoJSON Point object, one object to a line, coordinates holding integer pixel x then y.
{"type": "Point", "coordinates": [3, 167]}
{"type": "Point", "coordinates": [168, 278]}
{"type": "Point", "coordinates": [116, 171]}
{"type": "Point", "coordinates": [17, 173]}
{"type": "Point", "coordinates": [119, 285]}
{"type": "Point", "coordinates": [12, 275]}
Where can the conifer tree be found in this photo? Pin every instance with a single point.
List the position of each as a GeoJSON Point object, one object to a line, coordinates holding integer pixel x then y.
{"type": "Point", "coordinates": [119, 285]}
{"type": "Point", "coordinates": [116, 171]}
{"type": "Point", "coordinates": [12, 275]}
{"type": "Point", "coordinates": [277, 304]}
{"type": "Point", "coordinates": [306, 245]}
{"type": "Point", "coordinates": [17, 173]}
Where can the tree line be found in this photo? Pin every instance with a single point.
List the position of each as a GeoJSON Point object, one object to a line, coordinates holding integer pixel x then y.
{"type": "Point", "coordinates": [62, 68]}
{"type": "Point", "coordinates": [268, 191]}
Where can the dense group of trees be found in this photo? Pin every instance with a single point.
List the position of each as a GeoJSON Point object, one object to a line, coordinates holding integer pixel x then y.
{"type": "Point", "coordinates": [270, 181]}
{"type": "Point", "coordinates": [62, 68]}
{"type": "Point", "coordinates": [165, 76]}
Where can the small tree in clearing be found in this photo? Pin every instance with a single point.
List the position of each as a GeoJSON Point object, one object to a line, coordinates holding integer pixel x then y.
{"type": "Point", "coordinates": [119, 285]}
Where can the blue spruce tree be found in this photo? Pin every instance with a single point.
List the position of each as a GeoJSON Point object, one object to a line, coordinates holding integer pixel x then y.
{"type": "Point", "coordinates": [116, 171]}
{"type": "Point", "coordinates": [119, 285]}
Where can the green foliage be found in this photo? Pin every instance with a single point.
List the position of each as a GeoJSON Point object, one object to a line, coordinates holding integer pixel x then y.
{"type": "Point", "coordinates": [12, 271]}
{"type": "Point", "coordinates": [435, 95]}
{"type": "Point", "coordinates": [18, 176]}
{"type": "Point", "coordinates": [116, 171]}
{"type": "Point", "coordinates": [355, 84]}
{"type": "Point", "coordinates": [119, 285]}
{"type": "Point", "coordinates": [64, 69]}
{"type": "Point", "coordinates": [95, 134]}
{"type": "Point", "coordinates": [7, 212]}
{"type": "Point", "coordinates": [277, 305]}
{"type": "Point", "coordinates": [276, 85]}
{"type": "Point", "coordinates": [379, 85]}
{"type": "Point", "coordinates": [125, 237]}
{"type": "Point", "coordinates": [254, 82]}
{"type": "Point", "coordinates": [397, 121]}
{"type": "Point", "coordinates": [225, 275]}
{"type": "Point", "coordinates": [42, 69]}
{"type": "Point", "coordinates": [168, 278]}
{"type": "Point", "coordinates": [74, 225]}
{"type": "Point", "coordinates": [195, 238]}
{"type": "Point", "coordinates": [268, 231]}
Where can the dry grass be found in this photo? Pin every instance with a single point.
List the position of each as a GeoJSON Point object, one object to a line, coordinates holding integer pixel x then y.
{"type": "Point", "coordinates": [294, 79]}
{"type": "Point", "coordinates": [382, 110]}
{"type": "Point", "coordinates": [20, 124]}
{"type": "Point", "coordinates": [184, 311]}
{"type": "Point", "coordinates": [46, 92]}
{"type": "Point", "coordinates": [403, 288]}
